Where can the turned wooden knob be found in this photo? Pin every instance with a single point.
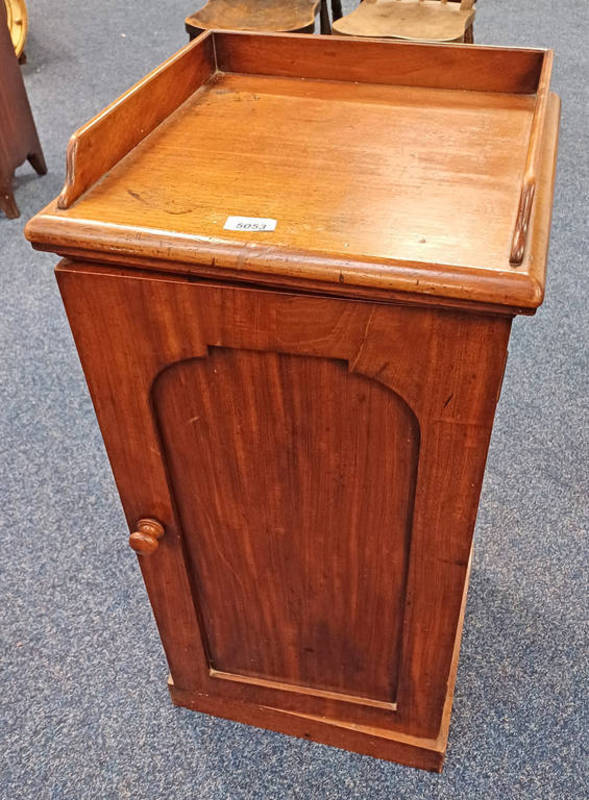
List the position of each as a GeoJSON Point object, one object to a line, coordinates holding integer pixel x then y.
{"type": "Point", "coordinates": [144, 540]}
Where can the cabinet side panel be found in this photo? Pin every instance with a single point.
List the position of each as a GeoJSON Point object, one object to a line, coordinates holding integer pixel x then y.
{"type": "Point", "coordinates": [294, 480]}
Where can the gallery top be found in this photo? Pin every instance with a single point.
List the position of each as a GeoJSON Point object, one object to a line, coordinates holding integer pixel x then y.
{"type": "Point", "coordinates": [351, 166]}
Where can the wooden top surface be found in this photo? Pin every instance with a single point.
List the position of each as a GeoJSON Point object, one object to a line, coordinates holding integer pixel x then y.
{"type": "Point", "coordinates": [410, 188]}
{"type": "Point", "coordinates": [389, 172]}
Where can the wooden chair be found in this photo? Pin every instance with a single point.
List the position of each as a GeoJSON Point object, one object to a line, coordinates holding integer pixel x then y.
{"type": "Point", "coordinates": [17, 19]}
{"type": "Point", "coordinates": [417, 20]}
{"type": "Point", "coordinates": [18, 135]}
{"type": "Point", "coordinates": [280, 16]}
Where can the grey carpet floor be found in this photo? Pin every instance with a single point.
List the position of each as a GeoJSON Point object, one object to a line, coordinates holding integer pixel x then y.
{"type": "Point", "coordinates": [84, 711]}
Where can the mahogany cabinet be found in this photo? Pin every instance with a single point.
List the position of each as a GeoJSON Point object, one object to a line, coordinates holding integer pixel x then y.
{"type": "Point", "coordinates": [290, 268]}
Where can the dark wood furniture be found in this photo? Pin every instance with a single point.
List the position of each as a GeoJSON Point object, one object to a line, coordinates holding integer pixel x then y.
{"type": "Point", "coordinates": [281, 16]}
{"type": "Point", "coordinates": [414, 20]}
{"type": "Point", "coordinates": [295, 343]}
{"type": "Point", "coordinates": [18, 135]}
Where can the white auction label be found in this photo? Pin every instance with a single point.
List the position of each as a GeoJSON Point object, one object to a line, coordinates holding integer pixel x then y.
{"type": "Point", "coordinates": [249, 224]}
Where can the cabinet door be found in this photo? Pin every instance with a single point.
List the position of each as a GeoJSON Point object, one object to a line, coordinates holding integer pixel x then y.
{"type": "Point", "coordinates": [316, 465]}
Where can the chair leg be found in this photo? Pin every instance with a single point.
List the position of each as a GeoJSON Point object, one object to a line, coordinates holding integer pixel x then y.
{"type": "Point", "coordinates": [324, 21]}
{"type": "Point", "coordinates": [469, 35]}
{"type": "Point", "coordinates": [7, 203]}
{"type": "Point", "coordinates": [37, 162]}
{"type": "Point", "coordinates": [336, 9]}
{"type": "Point", "coordinates": [193, 32]}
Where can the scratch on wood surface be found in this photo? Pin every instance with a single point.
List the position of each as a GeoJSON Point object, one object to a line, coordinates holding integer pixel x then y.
{"type": "Point", "coordinates": [353, 364]}
{"type": "Point", "coordinates": [227, 563]}
{"type": "Point", "coordinates": [141, 199]}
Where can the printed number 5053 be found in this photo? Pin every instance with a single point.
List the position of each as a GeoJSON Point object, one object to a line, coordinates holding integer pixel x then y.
{"type": "Point", "coordinates": [249, 224]}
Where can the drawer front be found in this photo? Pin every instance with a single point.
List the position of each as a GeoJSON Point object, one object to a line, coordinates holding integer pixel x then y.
{"type": "Point", "coordinates": [315, 465]}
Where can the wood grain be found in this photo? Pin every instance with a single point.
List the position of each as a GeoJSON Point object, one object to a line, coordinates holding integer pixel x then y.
{"type": "Point", "coordinates": [299, 567]}
{"type": "Point", "coordinates": [528, 189]}
{"type": "Point", "coordinates": [540, 221]}
{"type": "Point", "coordinates": [415, 20]}
{"type": "Point", "coordinates": [254, 15]}
{"type": "Point", "coordinates": [255, 145]}
{"type": "Point", "coordinates": [452, 394]}
{"type": "Point", "coordinates": [452, 66]}
{"type": "Point", "coordinates": [110, 135]}
{"type": "Point", "coordinates": [412, 751]}
{"type": "Point", "coordinates": [423, 285]}
{"type": "Point", "coordinates": [306, 411]}
{"type": "Point", "coordinates": [145, 539]}
{"type": "Point", "coordinates": [422, 752]}
{"type": "Point", "coordinates": [447, 246]}
{"type": "Point", "coordinates": [264, 128]}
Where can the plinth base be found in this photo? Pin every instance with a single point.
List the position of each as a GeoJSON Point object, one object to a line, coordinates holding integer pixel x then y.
{"type": "Point", "coordinates": [412, 751]}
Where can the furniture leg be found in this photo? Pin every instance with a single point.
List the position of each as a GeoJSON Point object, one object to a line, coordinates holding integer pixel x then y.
{"type": "Point", "coordinates": [37, 161]}
{"type": "Point", "coordinates": [18, 136]}
{"type": "Point", "coordinates": [469, 35]}
{"type": "Point", "coordinates": [336, 9]}
{"type": "Point", "coordinates": [193, 32]}
{"type": "Point", "coordinates": [324, 18]}
{"type": "Point", "coordinates": [7, 202]}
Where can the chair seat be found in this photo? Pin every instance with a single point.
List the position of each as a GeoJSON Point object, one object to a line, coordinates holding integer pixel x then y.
{"type": "Point", "coordinates": [426, 21]}
{"type": "Point", "coordinates": [255, 15]}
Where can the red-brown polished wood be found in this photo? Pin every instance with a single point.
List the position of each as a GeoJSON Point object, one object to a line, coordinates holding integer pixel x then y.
{"type": "Point", "coordinates": [301, 430]}
{"type": "Point", "coordinates": [145, 539]}
{"type": "Point", "coordinates": [231, 123]}
{"type": "Point", "coordinates": [174, 322]}
{"type": "Point", "coordinates": [306, 411]}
